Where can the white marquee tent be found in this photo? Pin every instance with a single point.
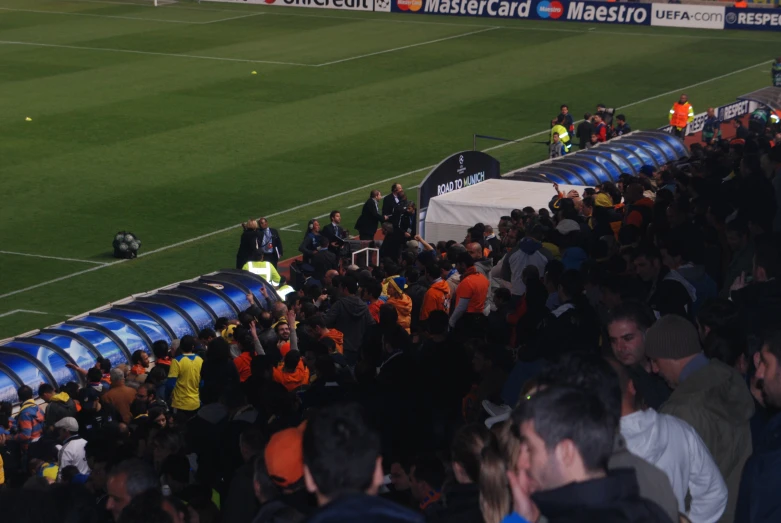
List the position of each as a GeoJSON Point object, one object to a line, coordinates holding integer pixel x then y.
{"type": "Point", "coordinates": [451, 214]}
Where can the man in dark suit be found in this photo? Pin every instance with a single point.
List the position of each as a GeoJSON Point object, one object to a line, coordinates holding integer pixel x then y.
{"type": "Point", "coordinates": [391, 201]}
{"type": "Point", "coordinates": [324, 260]}
{"type": "Point", "coordinates": [585, 128]}
{"type": "Point", "coordinates": [269, 242]}
{"type": "Point", "coordinates": [333, 231]}
{"type": "Point", "coordinates": [370, 216]}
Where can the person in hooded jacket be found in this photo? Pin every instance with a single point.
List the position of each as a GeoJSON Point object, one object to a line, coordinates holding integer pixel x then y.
{"type": "Point", "coordinates": [572, 326]}
{"type": "Point", "coordinates": [674, 446]}
{"type": "Point", "coordinates": [343, 469]}
{"type": "Point", "coordinates": [400, 301]}
{"type": "Point", "coordinates": [707, 394]}
{"type": "Point", "coordinates": [526, 253]}
{"type": "Point", "coordinates": [61, 405]}
{"type": "Point", "coordinates": [350, 315]}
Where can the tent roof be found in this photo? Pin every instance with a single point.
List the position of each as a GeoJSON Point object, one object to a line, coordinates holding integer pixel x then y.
{"type": "Point", "coordinates": [769, 96]}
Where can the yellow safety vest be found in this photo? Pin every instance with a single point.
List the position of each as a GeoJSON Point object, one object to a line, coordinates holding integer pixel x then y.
{"type": "Point", "coordinates": [265, 270]}
{"type": "Point", "coordinates": [562, 131]}
{"type": "Point", "coordinates": [284, 291]}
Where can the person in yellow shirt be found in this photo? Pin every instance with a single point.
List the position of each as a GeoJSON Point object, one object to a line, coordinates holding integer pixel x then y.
{"type": "Point", "coordinates": [184, 379]}
{"type": "Point", "coordinates": [264, 269]}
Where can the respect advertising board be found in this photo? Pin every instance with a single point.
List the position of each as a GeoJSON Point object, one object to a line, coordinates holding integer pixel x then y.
{"type": "Point", "coordinates": [552, 10]}
{"type": "Point", "coordinates": [753, 19]}
{"type": "Point", "coordinates": [348, 5]}
{"type": "Point", "coordinates": [724, 113]}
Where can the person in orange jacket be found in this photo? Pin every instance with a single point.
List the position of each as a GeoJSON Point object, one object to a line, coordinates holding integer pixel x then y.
{"type": "Point", "coordinates": [681, 115]}
{"type": "Point", "coordinates": [400, 301]}
{"type": "Point", "coordinates": [317, 323]}
{"type": "Point", "coordinates": [437, 297]}
{"type": "Point", "coordinates": [292, 373]}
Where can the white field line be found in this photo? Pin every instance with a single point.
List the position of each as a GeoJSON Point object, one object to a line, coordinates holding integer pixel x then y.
{"type": "Point", "coordinates": [350, 191]}
{"type": "Point", "coordinates": [91, 15]}
{"type": "Point", "coordinates": [356, 205]}
{"type": "Point", "coordinates": [231, 18]}
{"type": "Point", "coordinates": [592, 30]}
{"type": "Point", "coordinates": [27, 311]}
{"type": "Point", "coordinates": [151, 53]}
{"type": "Point", "coordinates": [53, 257]}
{"type": "Point", "coordinates": [407, 47]}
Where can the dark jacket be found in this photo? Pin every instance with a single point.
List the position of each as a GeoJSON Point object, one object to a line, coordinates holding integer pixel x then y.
{"type": "Point", "coordinates": [614, 498]}
{"type": "Point", "coordinates": [219, 378]}
{"type": "Point", "coordinates": [240, 505]}
{"type": "Point", "coordinates": [759, 304]}
{"type": "Point", "coordinates": [758, 500]}
{"type": "Point", "coordinates": [309, 246]}
{"type": "Point", "coordinates": [248, 246]}
{"type": "Point", "coordinates": [392, 245]}
{"type": "Point", "coordinates": [461, 504]}
{"type": "Point", "coordinates": [330, 231]}
{"type": "Point", "coordinates": [584, 133]}
{"type": "Point", "coordinates": [322, 262]}
{"type": "Point", "coordinates": [61, 406]}
{"type": "Point", "coordinates": [715, 401]}
{"type": "Point", "coordinates": [276, 511]}
{"type": "Point", "coordinates": [573, 326]}
{"type": "Point", "coordinates": [361, 508]}
{"type": "Point", "coordinates": [276, 241]}
{"type": "Point", "coordinates": [417, 291]}
{"type": "Point", "coordinates": [389, 205]}
{"type": "Point", "coordinates": [369, 219]}
{"type": "Point", "coordinates": [351, 316]}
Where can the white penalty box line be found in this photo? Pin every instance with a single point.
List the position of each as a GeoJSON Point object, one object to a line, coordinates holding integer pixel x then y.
{"type": "Point", "coordinates": [126, 17]}
{"type": "Point", "coordinates": [361, 188]}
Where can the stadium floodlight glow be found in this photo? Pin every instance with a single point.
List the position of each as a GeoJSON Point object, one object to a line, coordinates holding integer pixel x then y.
{"type": "Point", "coordinates": [126, 245]}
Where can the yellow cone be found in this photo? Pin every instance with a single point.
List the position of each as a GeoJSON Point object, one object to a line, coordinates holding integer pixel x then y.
{"type": "Point", "coordinates": [254, 72]}
{"type": "Point", "coordinates": [29, 119]}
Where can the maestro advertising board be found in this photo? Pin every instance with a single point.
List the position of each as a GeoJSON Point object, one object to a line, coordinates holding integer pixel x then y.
{"type": "Point", "coordinates": [348, 5]}
{"type": "Point", "coordinates": [607, 12]}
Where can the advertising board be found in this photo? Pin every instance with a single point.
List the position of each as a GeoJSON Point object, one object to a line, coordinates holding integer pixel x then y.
{"type": "Point", "coordinates": [348, 5]}
{"type": "Point", "coordinates": [723, 114]}
{"type": "Point", "coordinates": [752, 19]}
{"type": "Point", "coordinates": [689, 16]}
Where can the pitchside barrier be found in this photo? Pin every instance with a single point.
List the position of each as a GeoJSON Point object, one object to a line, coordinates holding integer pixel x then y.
{"type": "Point", "coordinates": [656, 14]}
{"type": "Point", "coordinates": [724, 113]}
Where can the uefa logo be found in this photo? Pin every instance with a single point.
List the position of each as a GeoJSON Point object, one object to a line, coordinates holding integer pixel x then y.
{"type": "Point", "coordinates": [732, 18]}
{"type": "Point", "coordinates": [553, 10]}
{"type": "Point", "coordinates": [382, 5]}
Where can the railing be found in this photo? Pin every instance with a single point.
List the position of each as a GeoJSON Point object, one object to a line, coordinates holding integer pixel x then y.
{"type": "Point", "coordinates": [368, 251]}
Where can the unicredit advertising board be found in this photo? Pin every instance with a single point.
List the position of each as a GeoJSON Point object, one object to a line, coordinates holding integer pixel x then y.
{"type": "Point", "coordinates": [348, 5]}
{"type": "Point", "coordinates": [634, 14]}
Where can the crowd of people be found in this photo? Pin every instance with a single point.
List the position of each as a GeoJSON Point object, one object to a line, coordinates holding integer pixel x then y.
{"type": "Point", "coordinates": [615, 357]}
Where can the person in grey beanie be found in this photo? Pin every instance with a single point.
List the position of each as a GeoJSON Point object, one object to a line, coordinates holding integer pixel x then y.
{"type": "Point", "coordinates": [707, 394]}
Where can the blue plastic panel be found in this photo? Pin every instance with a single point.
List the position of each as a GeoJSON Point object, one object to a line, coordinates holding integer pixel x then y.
{"type": "Point", "coordinates": [585, 171]}
{"type": "Point", "coordinates": [73, 348]}
{"type": "Point", "coordinates": [200, 316]}
{"type": "Point", "coordinates": [606, 164]}
{"type": "Point", "coordinates": [620, 158]}
{"type": "Point", "coordinates": [629, 156]}
{"type": "Point", "coordinates": [552, 177]}
{"type": "Point", "coordinates": [105, 345]}
{"type": "Point", "coordinates": [237, 295]}
{"type": "Point", "coordinates": [646, 154]}
{"type": "Point", "coordinates": [129, 337]}
{"type": "Point", "coordinates": [217, 303]}
{"type": "Point", "coordinates": [52, 361]}
{"type": "Point", "coordinates": [146, 323]}
{"type": "Point", "coordinates": [7, 388]}
{"type": "Point", "coordinates": [673, 142]}
{"type": "Point", "coordinates": [176, 322]}
{"type": "Point", "coordinates": [254, 286]}
{"type": "Point", "coordinates": [27, 372]}
{"type": "Point", "coordinates": [670, 154]}
{"type": "Point", "coordinates": [648, 146]}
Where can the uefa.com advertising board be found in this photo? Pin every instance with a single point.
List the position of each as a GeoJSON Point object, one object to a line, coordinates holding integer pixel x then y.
{"type": "Point", "coordinates": [664, 15]}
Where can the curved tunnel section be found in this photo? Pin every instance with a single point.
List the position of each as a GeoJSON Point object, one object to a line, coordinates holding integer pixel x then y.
{"type": "Point", "coordinates": [130, 325]}
{"type": "Point", "coordinates": [607, 161]}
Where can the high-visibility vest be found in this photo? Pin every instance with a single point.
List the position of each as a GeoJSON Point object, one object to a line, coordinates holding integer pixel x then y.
{"type": "Point", "coordinates": [265, 270]}
{"type": "Point", "coordinates": [681, 114]}
{"type": "Point", "coordinates": [562, 131]}
{"type": "Point", "coordinates": [284, 291]}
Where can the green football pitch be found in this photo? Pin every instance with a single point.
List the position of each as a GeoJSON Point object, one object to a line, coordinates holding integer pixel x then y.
{"type": "Point", "coordinates": [151, 120]}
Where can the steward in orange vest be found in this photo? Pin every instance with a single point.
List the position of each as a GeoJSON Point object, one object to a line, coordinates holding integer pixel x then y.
{"type": "Point", "coordinates": [681, 115]}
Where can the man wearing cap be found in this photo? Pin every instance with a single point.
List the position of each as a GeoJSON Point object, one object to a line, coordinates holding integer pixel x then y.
{"type": "Point", "coordinates": [92, 415]}
{"type": "Point", "coordinates": [707, 394]}
{"type": "Point", "coordinates": [279, 478]}
{"type": "Point", "coordinates": [72, 450]}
